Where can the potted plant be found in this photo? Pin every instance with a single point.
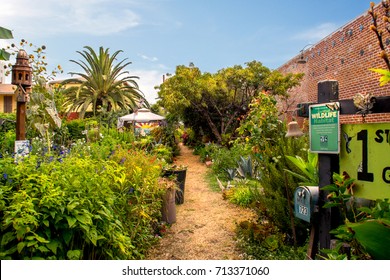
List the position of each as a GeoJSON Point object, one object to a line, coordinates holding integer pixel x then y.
{"type": "Point", "coordinates": [179, 173]}
{"type": "Point", "coordinates": [168, 209]}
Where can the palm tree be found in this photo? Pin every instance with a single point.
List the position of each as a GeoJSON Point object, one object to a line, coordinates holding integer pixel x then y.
{"type": "Point", "coordinates": [103, 85]}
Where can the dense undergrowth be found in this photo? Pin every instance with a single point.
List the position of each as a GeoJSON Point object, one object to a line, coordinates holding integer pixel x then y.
{"type": "Point", "coordinates": [98, 198]}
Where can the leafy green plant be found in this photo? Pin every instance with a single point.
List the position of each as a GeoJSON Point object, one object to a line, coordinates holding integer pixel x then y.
{"type": "Point", "coordinates": [308, 169]}
{"type": "Point", "coordinates": [264, 241]}
{"type": "Point", "coordinates": [340, 194]}
{"type": "Point", "coordinates": [368, 234]}
{"type": "Point", "coordinates": [78, 206]}
{"type": "Point", "coordinates": [225, 159]}
{"type": "Point", "coordinates": [244, 192]}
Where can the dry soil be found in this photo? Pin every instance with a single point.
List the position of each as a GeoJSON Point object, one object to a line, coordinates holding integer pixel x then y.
{"type": "Point", "coordinates": [205, 222]}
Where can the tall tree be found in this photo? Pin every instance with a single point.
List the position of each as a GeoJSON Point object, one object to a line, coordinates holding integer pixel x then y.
{"type": "Point", "coordinates": [102, 84]}
{"type": "Point", "coordinates": [215, 103]}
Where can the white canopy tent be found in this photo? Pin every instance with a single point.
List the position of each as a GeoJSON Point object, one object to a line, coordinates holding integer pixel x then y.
{"type": "Point", "coordinates": [143, 115]}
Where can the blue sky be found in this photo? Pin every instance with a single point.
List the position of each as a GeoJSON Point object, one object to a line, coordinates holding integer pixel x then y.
{"type": "Point", "coordinates": [158, 35]}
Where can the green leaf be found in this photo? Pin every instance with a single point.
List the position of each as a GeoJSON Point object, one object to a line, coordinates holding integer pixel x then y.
{"type": "Point", "coordinates": [366, 210]}
{"type": "Point", "coordinates": [43, 249]}
{"type": "Point", "coordinates": [32, 243]}
{"type": "Point", "coordinates": [330, 188]}
{"type": "Point", "coordinates": [73, 254]}
{"type": "Point", "coordinates": [71, 221]}
{"type": "Point", "coordinates": [46, 223]}
{"type": "Point", "coordinates": [84, 219]}
{"type": "Point", "coordinates": [10, 251]}
{"type": "Point", "coordinates": [53, 214]}
{"type": "Point", "coordinates": [20, 246]}
{"type": "Point", "coordinates": [374, 237]}
{"type": "Point", "coordinates": [385, 75]}
{"type": "Point", "coordinates": [330, 204]}
{"type": "Point", "coordinates": [4, 55]}
{"type": "Point", "coordinates": [53, 245]}
{"type": "Point", "coordinates": [40, 238]}
{"type": "Point", "coordinates": [5, 33]}
{"type": "Point", "coordinates": [67, 236]}
{"type": "Point", "coordinates": [72, 205]}
{"type": "Point", "coordinates": [7, 237]}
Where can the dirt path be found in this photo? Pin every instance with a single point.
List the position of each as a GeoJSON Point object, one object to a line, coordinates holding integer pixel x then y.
{"type": "Point", "coordinates": [205, 223]}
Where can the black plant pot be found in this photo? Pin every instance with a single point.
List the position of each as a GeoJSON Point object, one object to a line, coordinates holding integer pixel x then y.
{"type": "Point", "coordinates": [180, 181]}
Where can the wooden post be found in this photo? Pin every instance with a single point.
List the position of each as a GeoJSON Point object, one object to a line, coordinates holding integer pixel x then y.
{"type": "Point", "coordinates": [326, 218]}
{"type": "Point", "coordinates": [20, 120]}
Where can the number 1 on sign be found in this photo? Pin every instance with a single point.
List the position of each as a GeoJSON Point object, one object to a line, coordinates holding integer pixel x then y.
{"type": "Point", "coordinates": [364, 175]}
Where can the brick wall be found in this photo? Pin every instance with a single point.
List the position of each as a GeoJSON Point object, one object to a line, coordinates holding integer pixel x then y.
{"type": "Point", "coordinates": [345, 56]}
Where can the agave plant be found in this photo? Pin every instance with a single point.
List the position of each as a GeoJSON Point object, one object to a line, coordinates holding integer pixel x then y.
{"type": "Point", "coordinates": [231, 172]}
{"type": "Point", "coordinates": [245, 169]}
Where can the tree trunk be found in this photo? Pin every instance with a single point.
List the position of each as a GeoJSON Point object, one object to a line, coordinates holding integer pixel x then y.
{"type": "Point", "coordinates": [213, 127]}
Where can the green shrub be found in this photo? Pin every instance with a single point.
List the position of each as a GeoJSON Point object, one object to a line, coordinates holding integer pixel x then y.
{"type": "Point", "coordinates": [76, 129]}
{"type": "Point", "coordinates": [264, 241]}
{"type": "Point", "coordinates": [166, 135]}
{"type": "Point", "coordinates": [225, 158]}
{"type": "Point", "coordinates": [7, 142]}
{"type": "Point", "coordinates": [79, 207]}
{"type": "Point", "coordinates": [7, 133]}
{"type": "Point", "coordinates": [244, 193]}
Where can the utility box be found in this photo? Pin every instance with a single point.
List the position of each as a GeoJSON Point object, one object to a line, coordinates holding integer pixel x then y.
{"type": "Point", "coordinates": [306, 202]}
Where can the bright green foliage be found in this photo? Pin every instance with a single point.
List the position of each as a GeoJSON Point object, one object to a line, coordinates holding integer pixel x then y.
{"type": "Point", "coordinates": [224, 158]}
{"type": "Point", "coordinates": [215, 103]}
{"type": "Point", "coordinates": [385, 76]}
{"type": "Point", "coordinates": [142, 195]}
{"type": "Point", "coordinates": [75, 129]}
{"type": "Point", "coordinates": [7, 133]}
{"type": "Point", "coordinates": [103, 83]}
{"type": "Point", "coordinates": [244, 192]}
{"type": "Point", "coordinates": [366, 229]}
{"type": "Point", "coordinates": [261, 128]}
{"type": "Point", "coordinates": [308, 169]}
{"type": "Point", "coordinates": [79, 207]}
{"type": "Point", "coordinates": [261, 136]}
{"type": "Point", "coordinates": [339, 193]}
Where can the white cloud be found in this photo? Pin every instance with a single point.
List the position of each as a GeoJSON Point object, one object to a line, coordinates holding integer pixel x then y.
{"type": "Point", "coordinates": [96, 17]}
{"type": "Point", "coordinates": [316, 33]}
{"type": "Point", "coordinates": [148, 79]}
{"type": "Point", "coordinates": [152, 59]}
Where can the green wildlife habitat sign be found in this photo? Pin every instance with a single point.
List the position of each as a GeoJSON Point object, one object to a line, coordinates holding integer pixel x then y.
{"type": "Point", "coordinates": [324, 128]}
{"type": "Point", "coordinates": [365, 156]}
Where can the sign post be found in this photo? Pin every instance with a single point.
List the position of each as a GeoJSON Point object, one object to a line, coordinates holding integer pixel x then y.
{"type": "Point", "coordinates": [324, 140]}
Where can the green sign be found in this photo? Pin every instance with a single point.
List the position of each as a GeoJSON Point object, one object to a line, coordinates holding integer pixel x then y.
{"type": "Point", "coordinates": [324, 128]}
{"type": "Point", "coordinates": [365, 156]}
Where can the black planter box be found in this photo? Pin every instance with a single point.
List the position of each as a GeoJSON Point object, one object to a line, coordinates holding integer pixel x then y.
{"type": "Point", "coordinates": [180, 181]}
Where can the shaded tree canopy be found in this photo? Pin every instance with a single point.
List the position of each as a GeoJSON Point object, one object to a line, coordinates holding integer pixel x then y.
{"type": "Point", "coordinates": [214, 103]}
